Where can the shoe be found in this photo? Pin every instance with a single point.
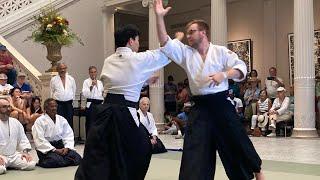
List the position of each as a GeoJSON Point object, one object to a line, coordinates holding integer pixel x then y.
{"type": "Point", "coordinates": [272, 135]}
{"type": "Point", "coordinates": [272, 126]}
{"type": "Point", "coordinates": [179, 136]}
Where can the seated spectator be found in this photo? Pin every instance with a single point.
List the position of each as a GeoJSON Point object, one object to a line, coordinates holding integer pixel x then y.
{"type": "Point", "coordinates": [272, 83]}
{"type": "Point", "coordinates": [146, 118]}
{"type": "Point", "coordinates": [170, 92]}
{"type": "Point", "coordinates": [254, 75]}
{"type": "Point", "coordinates": [291, 97]}
{"type": "Point", "coordinates": [235, 87]}
{"type": "Point", "coordinates": [24, 86]}
{"type": "Point", "coordinates": [181, 120]}
{"type": "Point", "coordinates": [6, 65]}
{"type": "Point", "coordinates": [251, 96]}
{"type": "Point", "coordinates": [264, 105]}
{"type": "Point", "coordinates": [279, 110]}
{"type": "Point", "coordinates": [182, 96]}
{"type": "Point", "coordinates": [169, 128]}
{"type": "Point", "coordinates": [33, 112]}
{"type": "Point", "coordinates": [4, 86]}
{"type": "Point", "coordinates": [18, 106]}
{"type": "Point", "coordinates": [236, 102]}
{"type": "Point", "coordinates": [14, 145]}
{"type": "Point", "coordinates": [54, 139]}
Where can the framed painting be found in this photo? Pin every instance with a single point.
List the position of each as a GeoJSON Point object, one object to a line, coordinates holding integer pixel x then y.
{"type": "Point", "coordinates": [316, 50]}
{"type": "Point", "coordinates": [243, 48]}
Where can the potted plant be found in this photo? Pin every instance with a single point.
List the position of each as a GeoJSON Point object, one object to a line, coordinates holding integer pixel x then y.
{"type": "Point", "coordinates": [52, 30]}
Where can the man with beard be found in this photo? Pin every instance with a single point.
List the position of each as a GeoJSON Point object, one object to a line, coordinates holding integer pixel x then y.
{"type": "Point", "coordinates": [13, 139]}
{"type": "Point", "coordinates": [213, 122]}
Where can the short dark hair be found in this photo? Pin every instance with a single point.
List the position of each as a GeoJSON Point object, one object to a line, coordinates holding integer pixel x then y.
{"type": "Point", "coordinates": [13, 89]}
{"type": "Point", "coordinates": [34, 99]}
{"type": "Point", "coordinates": [46, 103]}
{"type": "Point", "coordinates": [123, 35]}
{"type": "Point", "coordinates": [253, 70]}
{"type": "Point", "coordinates": [202, 25]}
{"type": "Point", "coordinates": [92, 67]}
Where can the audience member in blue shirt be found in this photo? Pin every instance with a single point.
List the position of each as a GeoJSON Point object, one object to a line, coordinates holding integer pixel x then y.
{"type": "Point", "coordinates": [181, 120]}
{"type": "Point", "coordinates": [26, 90]}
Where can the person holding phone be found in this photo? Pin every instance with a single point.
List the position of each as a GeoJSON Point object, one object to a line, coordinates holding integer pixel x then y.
{"type": "Point", "coordinates": [272, 83]}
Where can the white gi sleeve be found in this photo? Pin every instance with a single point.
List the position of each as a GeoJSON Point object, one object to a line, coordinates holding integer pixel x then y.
{"type": "Point", "coordinates": [40, 141]}
{"type": "Point", "coordinates": [232, 61]}
{"type": "Point", "coordinates": [23, 142]}
{"type": "Point", "coordinates": [67, 136]}
{"type": "Point", "coordinates": [176, 51]}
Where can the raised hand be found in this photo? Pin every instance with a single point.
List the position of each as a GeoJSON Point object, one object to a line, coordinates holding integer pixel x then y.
{"type": "Point", "coordinates": [179, 35]}
{"type": "Point", "coordinates": [159, 9]}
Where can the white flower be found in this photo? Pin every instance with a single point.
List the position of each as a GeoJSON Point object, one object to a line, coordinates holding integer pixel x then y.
{"type": "Point", "coordinates": [65, 32]}
{"type": "Point", "coordinates": [49, 26]}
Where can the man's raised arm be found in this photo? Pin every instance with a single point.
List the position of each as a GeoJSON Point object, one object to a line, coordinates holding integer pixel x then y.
{"type": "Point", "coordinates": [161, 27]}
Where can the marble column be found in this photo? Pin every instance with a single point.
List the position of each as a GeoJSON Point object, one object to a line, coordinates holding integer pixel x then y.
{"type": "Point", "coordinates": [304, 70]}
{"type": "Point", "coordinates": [108, 31]}
{"type": "Point", "coordinates": [156, 90]}
{"type": "Point", "coordinates": [219, 33]}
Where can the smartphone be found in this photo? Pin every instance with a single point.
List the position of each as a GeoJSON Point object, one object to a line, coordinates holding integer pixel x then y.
{"type": "Point", "coordinates": [270, 78]}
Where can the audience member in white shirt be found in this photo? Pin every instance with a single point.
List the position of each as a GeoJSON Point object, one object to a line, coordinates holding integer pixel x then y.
{"type": "Point", "coordinates": [92, 89]}
{"type": "Point", "coordinates": [4, 86]}
{"type": "Point", "coordinates": [279, 110]}
{"type": "Point", "coordinates": [63, 90]}
{"type": "Point", "coordinates": [272, 83]}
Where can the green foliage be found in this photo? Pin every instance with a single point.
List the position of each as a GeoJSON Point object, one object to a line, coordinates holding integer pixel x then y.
{"type": "Point", "coordinates": [51, 27]}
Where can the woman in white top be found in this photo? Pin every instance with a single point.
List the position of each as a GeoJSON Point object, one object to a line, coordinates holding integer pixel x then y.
{"type": "Point", "coordinates": [264, 104]}
{"type": "Point", "coordinates": [279, 110]}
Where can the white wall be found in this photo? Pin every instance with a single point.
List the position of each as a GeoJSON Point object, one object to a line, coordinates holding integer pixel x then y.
{"type": "Point", "coordinates": [85, 17]}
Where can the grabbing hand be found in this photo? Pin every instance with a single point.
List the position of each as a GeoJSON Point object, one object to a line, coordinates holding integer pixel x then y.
{"type": "Point", "coordinates": [65, 151]}
{"type": "Point", "coordinates": [179, 35]}
{"type": "Point", "coordinates": [217, 78]}
{"type": "Point", "coordinates": [159, 10]}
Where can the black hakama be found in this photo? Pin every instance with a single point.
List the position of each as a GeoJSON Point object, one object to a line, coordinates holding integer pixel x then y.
{"type": "Point", "coordinates": [214, 125]}
{"type": "Point", "coordinates": [116, 148]}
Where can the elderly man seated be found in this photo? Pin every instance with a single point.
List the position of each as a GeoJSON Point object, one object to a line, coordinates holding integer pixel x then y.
{"type": "Point", "coordinates": [54, 139]}
{"type": "Point", "coordinates": [146, 118]}
{"type": "Point", "coordinates": [279, 110]}
{"type": "Point", "coordinates": [14, 145]}
{"type": "Point", "coordinates": [4, 86]}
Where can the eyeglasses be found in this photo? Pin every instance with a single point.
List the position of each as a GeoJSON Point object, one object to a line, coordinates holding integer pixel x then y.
{"type": "Point", "coordinates": [192, 31]}
{"type": "Point", "coordinates": [5, 106]}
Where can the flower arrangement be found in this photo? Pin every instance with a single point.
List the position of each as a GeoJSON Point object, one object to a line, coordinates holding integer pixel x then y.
{"type": "Point", "coordinates": [52, 28]}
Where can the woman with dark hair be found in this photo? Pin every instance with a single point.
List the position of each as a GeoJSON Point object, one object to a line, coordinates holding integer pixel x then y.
{"type": "Point", "coordinates": [253, 75]}
{"type": "Point", "coordinates": [18, 106]}
{"type": "Point", "coordinates": [33, 112]}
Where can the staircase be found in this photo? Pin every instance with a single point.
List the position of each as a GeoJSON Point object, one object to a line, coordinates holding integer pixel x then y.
{"type": "Point", "coordinates": [18, 14]}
